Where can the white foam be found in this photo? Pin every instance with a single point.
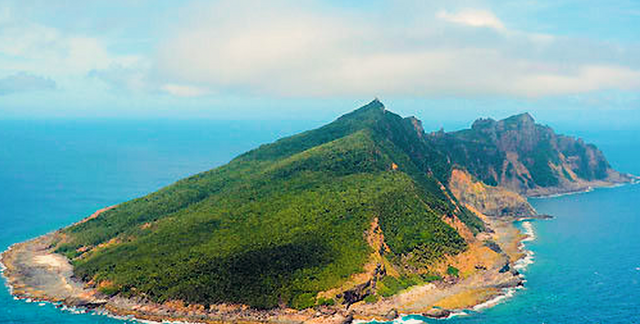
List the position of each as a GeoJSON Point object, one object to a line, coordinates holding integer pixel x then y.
{"type": "Point", "coordinates": [456, 314]}
{"type": "Point", "coordinates": [507, 293]}
{"type": "Point", "coordinates": [401, 320]}
{"type": "Point", "coordinates": [524, 262]}
{"type": "Point", "coordinates": [528, 259]}
{"type": "Point", "coordinates": [528, 231]}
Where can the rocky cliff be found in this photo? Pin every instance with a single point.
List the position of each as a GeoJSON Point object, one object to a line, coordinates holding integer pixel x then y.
{"type": "Point", "coordinates": [528, 158]}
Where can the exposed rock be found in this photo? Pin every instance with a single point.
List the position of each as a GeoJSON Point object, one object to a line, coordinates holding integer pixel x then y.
{"type": "Point", "coordinates": [490, 201]}
{"type": "Point", "coordinates": [527, 158]}
{"type": "Point", "coordinates": [391, 315]}
{"type": "Point", "coordinates": [513, 282]}
{"type": "Point", "coordinates": [357, 293]}
{"type": "Point", "coordinates": [437, 312]}
{"type": "Point", "coordinates": [348, 319]}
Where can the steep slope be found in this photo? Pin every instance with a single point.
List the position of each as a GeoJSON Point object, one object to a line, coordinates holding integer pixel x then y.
{"type": "Point", "coordinates": [282, 223]}
{"type": "Point", "coordinates": [526, 157]}
{"type": "Point", "coordinates": [492, 201]}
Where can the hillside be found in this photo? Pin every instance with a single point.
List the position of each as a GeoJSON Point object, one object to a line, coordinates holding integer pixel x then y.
{"type": "Point", "coordinates": [285, 223]}
{"type": "Point", "coordinates": [367, 216]}
{"type": "Point", "coordinates": [525, 157]}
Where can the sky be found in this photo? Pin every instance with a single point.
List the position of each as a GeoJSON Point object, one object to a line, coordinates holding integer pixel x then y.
{"type": "Point", "coordinates": [447, 62]}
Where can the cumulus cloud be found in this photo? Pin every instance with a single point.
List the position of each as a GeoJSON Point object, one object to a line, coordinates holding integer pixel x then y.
{"type": "Point", "coordinates": [24, 82]}
{"type": "Point", "coordinates": [309, 49]}
{"type": "Point", "coordinates": [472, 17]}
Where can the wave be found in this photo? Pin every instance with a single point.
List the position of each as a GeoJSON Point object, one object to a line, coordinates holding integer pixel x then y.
{"type": "Point", "coordinates": [506, 293]}
{"type": "Point", "coordinates": [528, 231]}
{"type": "Point", "coordinates": [528, 259]}
{"type": "Point", "coordinates": [456, 314]}
{"type": "Point", "coordinates": [404, 320]}
{"type": "Point", "coordinates": [525, 261]}
{"type": "Point", "coordinates": [520, 264]}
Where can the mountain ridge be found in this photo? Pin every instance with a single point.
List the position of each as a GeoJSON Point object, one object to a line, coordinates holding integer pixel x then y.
{"type": "Point", "coordinates": [525, 157]}
{"type": "Point", "coordinates": [345, 216]}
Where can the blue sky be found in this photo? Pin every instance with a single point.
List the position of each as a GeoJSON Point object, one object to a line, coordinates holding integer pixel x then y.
{"type": "Point", "coordinates": [563, 61]}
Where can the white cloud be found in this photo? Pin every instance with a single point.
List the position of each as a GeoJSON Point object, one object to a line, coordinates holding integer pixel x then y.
{"type": "Point", "coordinates": [32, 47]}
{"type": "Point", "coordinates": [473, 18]}
{"type": "Point", "coordinates": [278, 48]}
{"type": "Point", "coordinates": [307, 48]}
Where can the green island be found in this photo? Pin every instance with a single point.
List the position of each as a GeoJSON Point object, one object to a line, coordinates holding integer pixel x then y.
{"type": "Point", "coordinates": [364, 217]}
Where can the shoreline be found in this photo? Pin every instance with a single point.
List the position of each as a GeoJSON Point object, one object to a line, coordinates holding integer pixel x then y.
{"type": "Point", "coordinates": [629, 179]}
{"type": "Point", "coordinates": [34, 274]}
{"type": "Point", "coordinates": [85, 299]}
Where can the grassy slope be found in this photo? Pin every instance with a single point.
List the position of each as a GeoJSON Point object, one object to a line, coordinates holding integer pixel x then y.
{"type": "Point", "coordinates": [277, 224]}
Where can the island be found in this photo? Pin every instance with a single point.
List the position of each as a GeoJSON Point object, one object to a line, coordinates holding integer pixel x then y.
{"type": "Point", "coordinates": [368, 217]}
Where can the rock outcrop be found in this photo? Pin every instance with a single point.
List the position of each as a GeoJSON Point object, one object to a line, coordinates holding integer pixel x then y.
{"type": "Point", "coordinates": [525, 157]}
{"type": "Point", "coordinates": [490, 201]}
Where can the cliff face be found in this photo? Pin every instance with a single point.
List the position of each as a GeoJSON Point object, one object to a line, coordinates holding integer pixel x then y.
{"type": "Point", "coordinates": [526, 157]}
{"type": "Point", "coordinates": [488, 200]}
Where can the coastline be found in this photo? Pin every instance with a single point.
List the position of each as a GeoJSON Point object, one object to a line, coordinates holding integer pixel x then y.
{"type": "Point", "coordinates": [483, 291]}
{"type": "Point", "coordinates": [633, 181]}
{"type": "Point", "coordinates": [35, 274]}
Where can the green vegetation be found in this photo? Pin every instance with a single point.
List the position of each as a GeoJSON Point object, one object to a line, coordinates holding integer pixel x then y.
{"type": "Point", "coordinates": [370, 299]}
{"type": "Point", "coordinates": [390, 286]}
{"type": "Point", "coordinates": [281, 223]}
{"type": "Point", "coordinates": [326, 302]}
{"type": "Point", "coordinates": [496, 151]}
{"type": "Point", "coordinates": [453, 271]}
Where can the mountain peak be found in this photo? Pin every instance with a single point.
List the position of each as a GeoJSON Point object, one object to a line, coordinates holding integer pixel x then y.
{"type": "Point", "coordinates": [374, 104]}
{"type": "Point", "coordinates": [524, 118]}
{"type": "Point", "coordinates": [373, 110]}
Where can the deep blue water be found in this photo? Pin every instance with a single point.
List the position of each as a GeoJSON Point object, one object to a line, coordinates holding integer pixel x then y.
{"type": "Point", "coordinates": [53, 173]}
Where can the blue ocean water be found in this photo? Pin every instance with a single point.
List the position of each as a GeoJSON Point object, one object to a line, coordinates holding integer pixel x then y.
{"type": "Point", "coordinates": [52, 173]}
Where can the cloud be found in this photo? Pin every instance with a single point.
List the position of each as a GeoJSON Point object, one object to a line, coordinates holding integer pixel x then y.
{"type": "Point", "coordinates": [473, 18]}
{"type": "Point", "coordinates": [310, 49]}
{"type": "Point", "coordinates": [181, 90]}
{"type": "Point", "coordinates": [41, 49]}
{"type": "Point", "coordinates": [24, 82]}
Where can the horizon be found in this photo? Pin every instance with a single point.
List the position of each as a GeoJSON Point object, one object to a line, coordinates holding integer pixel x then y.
{"type": "Point", "coordinates": [570, 63]}
{"type": "Point", "coordinates": [319, 161]}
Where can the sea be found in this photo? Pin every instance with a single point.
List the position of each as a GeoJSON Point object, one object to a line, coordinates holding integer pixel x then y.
{"type": "Point", "coordinates": [583, 265]}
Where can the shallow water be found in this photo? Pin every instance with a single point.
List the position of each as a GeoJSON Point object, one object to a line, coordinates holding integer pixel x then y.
{"type": "Point", "coordinates": [586, 269]}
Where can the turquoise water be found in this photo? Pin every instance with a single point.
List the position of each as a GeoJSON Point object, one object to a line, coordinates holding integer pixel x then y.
{"type": "Point", "coordinates": [587, 260]}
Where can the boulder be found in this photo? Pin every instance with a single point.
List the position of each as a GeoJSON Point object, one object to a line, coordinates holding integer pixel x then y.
{"type": "Point", "coordinates": [437, 312]}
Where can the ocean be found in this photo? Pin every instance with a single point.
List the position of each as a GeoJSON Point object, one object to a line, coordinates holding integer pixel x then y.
{"type": "Point", "coordinates": [586, 265]}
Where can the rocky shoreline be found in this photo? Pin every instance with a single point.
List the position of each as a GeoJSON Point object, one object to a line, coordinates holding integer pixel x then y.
{"type": "Point", "coordinates": [34, 272]}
